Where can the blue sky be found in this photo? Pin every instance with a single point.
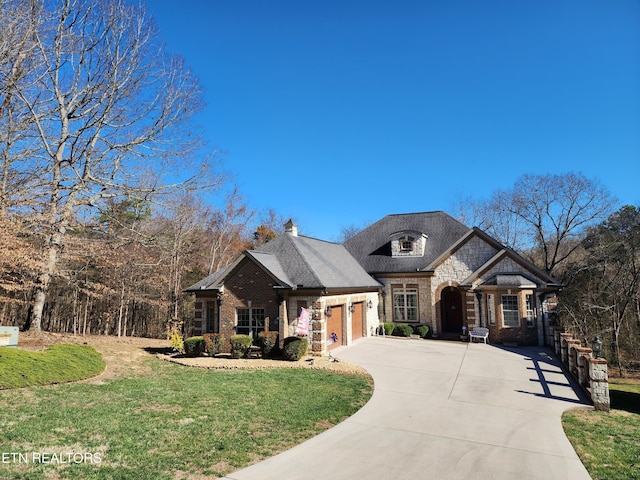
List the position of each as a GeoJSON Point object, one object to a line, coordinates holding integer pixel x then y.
{"type": "Point", "coordinates": [338, 112]}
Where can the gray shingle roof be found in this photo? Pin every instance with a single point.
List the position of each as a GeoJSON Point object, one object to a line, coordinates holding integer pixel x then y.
{"type": "Point", "coordinates": [301, 262]}
{"type": "Point", "coordinates": [372, 246]}
{"type": "Point", "coordinates": [313, 263]}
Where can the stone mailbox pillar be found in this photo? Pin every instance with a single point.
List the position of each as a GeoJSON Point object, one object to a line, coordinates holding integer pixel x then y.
{"type": "Point", "coordinates": [599, 378]}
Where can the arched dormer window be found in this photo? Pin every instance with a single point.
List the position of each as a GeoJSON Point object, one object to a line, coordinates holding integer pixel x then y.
{"type": "Point", "coordinates": [406, 244]}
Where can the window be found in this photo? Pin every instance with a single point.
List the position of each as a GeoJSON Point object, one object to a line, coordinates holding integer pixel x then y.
{"type": "Point", "coordinates": [510, 315]}
{"type": "Point", "coordinates": [405, 304]}
{"type": "Point", "coordinates": [491, 313]}
{"type": "Point", "coordinates": [530, 310]}
{"type": "Point", "coordinates": [250, 321]}
{"type": "Point", "coordinates": [406, 244]}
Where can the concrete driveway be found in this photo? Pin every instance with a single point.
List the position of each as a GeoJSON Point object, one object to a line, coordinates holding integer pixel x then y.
{"type": "Point", "coordinates": [443, 410]}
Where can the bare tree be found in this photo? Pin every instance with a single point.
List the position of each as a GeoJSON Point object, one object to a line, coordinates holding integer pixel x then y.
{"type": "Point", "coordinates": [108, 107]}
{"type": "Point", "coordinates": [544, 216]}
{"type": "Point", "coordinates": [17, 20]}
{"type": "Point", "coordinates": [226, 230]}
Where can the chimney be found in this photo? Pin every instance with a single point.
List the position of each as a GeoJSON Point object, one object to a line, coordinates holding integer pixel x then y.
{"type": "Point", "coordinates": [291, 228]}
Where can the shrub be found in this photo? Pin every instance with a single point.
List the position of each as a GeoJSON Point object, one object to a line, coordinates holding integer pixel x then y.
{"type": "Point", "coordinates": [402, 330]}
{"type": "Point", "coordinates": [240, 346]}
{"type": "Point", "coordinates": [213, 343]}
{"type": "Point", "coordinates": [423, 330]}
{"type": "Point", "coordinates": [294, 348]}
{"type": "Point", "coordinates": [268, 342]}
{"type": "Point", "coordinates": [174, 335]}
{"type": "Point", "coordinates": [194, 346]}
{"type": "Point", "coordinates": [388, 328]}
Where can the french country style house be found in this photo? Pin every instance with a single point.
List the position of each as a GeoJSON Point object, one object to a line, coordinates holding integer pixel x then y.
{"type": "Point", "coordinates": [436, 271]}
{"type": "Point", "coordinates": [419, 268]}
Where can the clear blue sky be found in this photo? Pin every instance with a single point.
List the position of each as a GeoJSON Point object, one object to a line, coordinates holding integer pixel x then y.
{"type": "Point", "coordinates": [338, 112]}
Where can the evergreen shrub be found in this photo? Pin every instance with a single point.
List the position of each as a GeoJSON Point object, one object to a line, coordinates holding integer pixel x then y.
{"type": "Point", "coordinates": [295, 348]}
{"type": "Point", "coordinates": [194, 346]}
{"type": "Point", "coordinates": [213, 343]}
{"type": "Point", "coordinates": [240, 346]}
{"type": "Point", "coordinates": [388, 328]}
{"type": "Point", "coordinates": [402, 330]}
{"type": "Point", "coordinates": [423, 331]}
{"type": "Point", "coordinates": [268, 342]}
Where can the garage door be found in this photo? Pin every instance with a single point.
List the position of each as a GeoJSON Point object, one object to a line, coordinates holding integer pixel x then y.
{"type": "Point", "coordinates": [334, 328]}
{"type": "Point", "coordinates": [357, 321]}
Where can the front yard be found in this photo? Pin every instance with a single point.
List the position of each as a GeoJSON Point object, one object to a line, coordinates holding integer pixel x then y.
{"type": "Point", "coordinates": [157, 420]}
{"type": "Point", "coordinates": [609, 444]}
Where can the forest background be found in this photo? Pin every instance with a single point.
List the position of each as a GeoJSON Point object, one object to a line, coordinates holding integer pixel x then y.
{"type": "Point", "coordinates": [104, 176]}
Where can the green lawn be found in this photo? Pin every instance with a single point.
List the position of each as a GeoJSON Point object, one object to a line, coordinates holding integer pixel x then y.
{"type": "Point", "coordinates": [171, 422]}
{"type": "Point", "coordinates": [56, 364]}
{"type": "Point", "coordinates": [609, 444]}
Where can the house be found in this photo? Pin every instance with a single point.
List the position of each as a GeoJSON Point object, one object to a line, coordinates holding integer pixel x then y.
{"type": "Point", "coordinates": [436, 271]}
{"type": "Point", "coordinates": [265, 290]}
{"type": "Point", "coordinates": [419, 268]}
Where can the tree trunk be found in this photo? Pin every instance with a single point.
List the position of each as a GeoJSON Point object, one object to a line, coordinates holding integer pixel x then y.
{"type": "Point", "coordinates": [52, 250]}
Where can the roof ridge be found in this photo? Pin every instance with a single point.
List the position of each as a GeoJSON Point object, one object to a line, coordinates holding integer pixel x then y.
{"type": "Point", "coordinates": [291, 240]}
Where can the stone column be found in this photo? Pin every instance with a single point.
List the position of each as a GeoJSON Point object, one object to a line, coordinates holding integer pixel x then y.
{"type": "Point", "coordinates": [556, 341]}
{"type": "Point", "coordinates": [583, 356]}
{"type": "Point", "coordinates": [572, 355]}
{"type": "Point", "coordinates": [599, 378]}
{"type": "Point", "coordinates": [564, 351]}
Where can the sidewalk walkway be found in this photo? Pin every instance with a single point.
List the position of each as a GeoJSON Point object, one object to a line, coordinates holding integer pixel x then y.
{"type": "Point", "coordinates": [443, 410]}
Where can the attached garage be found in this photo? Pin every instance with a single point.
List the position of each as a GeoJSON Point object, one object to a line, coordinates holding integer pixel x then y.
{"type": "Point", "coordinates": [357, 321]}
{"type": "Point", "coordinates": [335, 328]}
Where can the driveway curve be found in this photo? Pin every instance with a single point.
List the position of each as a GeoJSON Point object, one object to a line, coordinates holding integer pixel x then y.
{"type": "Point", "coordinates": [443, 410]}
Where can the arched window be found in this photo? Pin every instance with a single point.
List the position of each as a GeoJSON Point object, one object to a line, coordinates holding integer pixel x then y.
{"type": "Point", "coordinates": [406, 244]}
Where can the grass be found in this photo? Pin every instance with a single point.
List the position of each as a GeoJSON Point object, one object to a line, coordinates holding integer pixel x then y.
{"type": "Point", "coordinates": [609, 444]}
{"type": "Point", "coordinates": [57, 364]}
{"type": "Point", "coordinates": [171, 422]}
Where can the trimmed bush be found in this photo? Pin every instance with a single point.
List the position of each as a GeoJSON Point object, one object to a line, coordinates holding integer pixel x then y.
{"type": "Point", "coordinates": [240, 346]}
{"type": "Point", "coordinates": [213, 343]}
{"type": "Point", "coordinates": [194, 346]}
{"type": "Point", "coordinates": [423, 330]}
{"type": "Point", "coordinates": [402, 330]}
{"type": "Point", "coordinates": [295, 348]}
{"type": "Point", "coordinates": [388, 328]}
{"type": "Point", "coordinates": [268, 341]}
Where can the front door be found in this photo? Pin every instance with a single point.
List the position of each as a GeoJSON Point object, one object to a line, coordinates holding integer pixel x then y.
{"type": "Point", "coordinates": [451, 304]}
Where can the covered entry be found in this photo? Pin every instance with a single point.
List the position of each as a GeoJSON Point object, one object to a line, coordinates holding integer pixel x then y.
{"type": "Point", "coordinates": [451, 309]}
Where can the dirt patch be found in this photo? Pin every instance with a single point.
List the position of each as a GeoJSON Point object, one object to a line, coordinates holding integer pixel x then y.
{"type": "Point", "coordinates": [124, 356]}
{"type": "Point", "coordinates": [225, 362]}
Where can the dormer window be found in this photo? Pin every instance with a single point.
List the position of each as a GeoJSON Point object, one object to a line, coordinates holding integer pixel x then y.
{"type": "Point", "coordinates": [406, 244]}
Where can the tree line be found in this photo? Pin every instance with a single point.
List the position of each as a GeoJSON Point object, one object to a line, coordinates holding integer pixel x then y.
{"type": "Point", "coordinates": [103, 172]}
{"type": "Point", "coordinates": [574, 229]}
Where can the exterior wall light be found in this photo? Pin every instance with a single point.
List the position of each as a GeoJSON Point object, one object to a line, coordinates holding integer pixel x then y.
{"type": "Point", "coordinates": [596, 346]}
